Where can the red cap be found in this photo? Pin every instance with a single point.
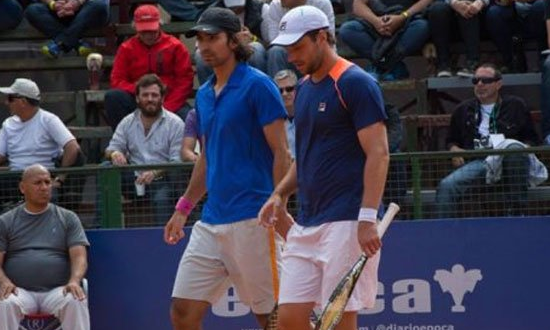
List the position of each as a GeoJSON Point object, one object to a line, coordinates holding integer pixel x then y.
{"type": "Point", "coordinates": [147, 18]}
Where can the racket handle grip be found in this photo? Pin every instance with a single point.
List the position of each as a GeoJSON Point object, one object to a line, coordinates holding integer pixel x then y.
{"type": "Point", "coordinates": [387, 219]}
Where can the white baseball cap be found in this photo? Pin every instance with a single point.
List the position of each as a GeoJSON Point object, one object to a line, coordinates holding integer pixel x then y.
{"type": "Point", "coordinates": [234, 3]}
{"type": "Point", "coordinates": [23, 87]}
{"type": "Point", "coordinates": [299, 21]}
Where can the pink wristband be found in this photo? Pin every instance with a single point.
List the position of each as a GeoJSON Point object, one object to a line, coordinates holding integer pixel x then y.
{"type": "Point", "coordinates": [184, 206]}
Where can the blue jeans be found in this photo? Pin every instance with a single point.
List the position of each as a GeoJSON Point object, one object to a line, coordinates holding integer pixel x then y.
{"type": "Point", "coordinates": [160, 193]}
{"type": "Point", "coordinates": [183, 10]}
{"type": "Point", "coordinates": [119, 103]}
{"type": "Point", "coordinates": [257, 60]}
{"type": "Point", "coordinates": [68, 31]}
{"type": "Point", "coordinates": [11, 14]}
{"type": "Point", "coordinates": [453, 186]}
{"type": "Point", "coordinates": [513, 185]}
{"type": "Point", "coordinates": [545, 100]}
{"type": "Point", "coordinates": [503, 22]}
{"type": "Point", "coordinates": [355, 35]}
{"type": "Point", "coordinates": [277, 60]}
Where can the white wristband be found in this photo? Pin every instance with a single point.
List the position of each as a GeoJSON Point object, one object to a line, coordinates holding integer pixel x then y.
{"type": "Point", "coordinates": [367, 214]}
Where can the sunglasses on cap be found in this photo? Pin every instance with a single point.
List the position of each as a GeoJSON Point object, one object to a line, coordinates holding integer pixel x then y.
{"type": "Point", "coordinates": [13, 97]}
{"type": "Point", "coordinates": [287, 89]}
{"type": "Point", "coordinates": [485, 80]}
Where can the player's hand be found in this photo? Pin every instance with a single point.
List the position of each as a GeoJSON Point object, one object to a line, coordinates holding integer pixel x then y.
{"type": "Point", "coordinates": [173, 231]}
{"type": "Point", "coordinates": [271, 211]}
{"type": "Point", "coordinates": [75, 289]}
{"type": "Point", "coordinates": [367, 236]}
{"type": "Point", "coordinates": [7, 288]}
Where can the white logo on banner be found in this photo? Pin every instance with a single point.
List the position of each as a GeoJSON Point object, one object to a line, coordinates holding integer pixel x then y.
{"type": "Point", "coordinates": [458, 282]}
{"type": "Point", "coordinates": [408, 296]}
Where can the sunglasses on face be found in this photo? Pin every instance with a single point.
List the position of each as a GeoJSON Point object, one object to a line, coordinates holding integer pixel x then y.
{"type": "Point", "coordinates": [13, 97]}
{"type": "Point", "coordinates": [484, 80]}
{"type": "Point", "coordinates": [287, 89]}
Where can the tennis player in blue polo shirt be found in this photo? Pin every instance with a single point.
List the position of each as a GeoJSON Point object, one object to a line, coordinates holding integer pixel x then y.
{"type": "Point", "coordinates": [340, 172]}
{"type": "Point", "coordinates": [241, 117]}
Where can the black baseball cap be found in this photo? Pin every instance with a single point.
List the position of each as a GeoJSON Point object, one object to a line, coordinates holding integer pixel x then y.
{"type": "Point", "coordinates": [215, 20]}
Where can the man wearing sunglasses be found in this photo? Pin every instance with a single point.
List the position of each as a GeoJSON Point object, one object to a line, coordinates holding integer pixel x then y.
{"type": "Point", "coordinates": [33, 135]}
{"type": "Point", "coordinates": [482, 122]}
{"type": "Point", "coordinates": [286, 81]}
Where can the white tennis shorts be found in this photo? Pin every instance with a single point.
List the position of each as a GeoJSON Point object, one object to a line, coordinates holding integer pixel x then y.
{"type": "Point", "coordinates": [218, 255]}
{"type": "Point", "coordinates": [315, 259]}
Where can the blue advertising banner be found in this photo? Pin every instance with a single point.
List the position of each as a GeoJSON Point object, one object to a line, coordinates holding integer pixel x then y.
{"type": "Point", "coordinates": [468, 274]}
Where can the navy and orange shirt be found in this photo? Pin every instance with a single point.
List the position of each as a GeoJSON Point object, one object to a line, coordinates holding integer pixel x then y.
{"type": "Point", "coordinates": [329, 158]}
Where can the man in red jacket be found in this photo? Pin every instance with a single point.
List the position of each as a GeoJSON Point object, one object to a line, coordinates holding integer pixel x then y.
{"type": "Point", "coordinates": [149, 51]}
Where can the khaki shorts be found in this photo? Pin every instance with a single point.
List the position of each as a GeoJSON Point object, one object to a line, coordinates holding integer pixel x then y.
{"type": "Point", "coordinates": [218, 255]}
{"type": "Point", "coordinates": [315, 259]}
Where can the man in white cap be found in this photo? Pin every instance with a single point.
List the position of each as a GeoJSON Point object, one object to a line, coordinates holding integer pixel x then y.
{"type": "Point", "coordinates": [276, 55]}
{"type": "Point", "coordinates": [33, 135]}
{"type": "Point", "coordinates": [340, 171]}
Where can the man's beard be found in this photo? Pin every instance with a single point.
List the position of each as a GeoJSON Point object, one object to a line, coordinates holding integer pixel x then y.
{"type": "Point", "coordinates": [146, 110]}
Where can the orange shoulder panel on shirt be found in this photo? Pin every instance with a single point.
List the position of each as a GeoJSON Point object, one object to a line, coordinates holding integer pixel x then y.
{"type": "Point", "coordinates": [336, 72]}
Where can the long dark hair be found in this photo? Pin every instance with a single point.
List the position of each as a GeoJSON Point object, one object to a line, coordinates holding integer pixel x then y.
{"type": "Point", "coordinates": [242, 51]}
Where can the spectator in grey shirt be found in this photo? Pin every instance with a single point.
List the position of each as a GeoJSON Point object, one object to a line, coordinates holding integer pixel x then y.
{"type": "Point", "coordinates": [149, 135]}
{"type": "Point", "coordinates": [42, 257]}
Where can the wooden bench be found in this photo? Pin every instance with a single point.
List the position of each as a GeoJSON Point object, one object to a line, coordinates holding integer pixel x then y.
{"type": "Point", "coordinates": [111, 32]}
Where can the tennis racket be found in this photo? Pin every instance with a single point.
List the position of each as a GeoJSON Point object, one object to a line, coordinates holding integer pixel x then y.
{"type": "Point", "coordinates": [333, 311]}
{"type": "Point", "coordinates": [273, 316]}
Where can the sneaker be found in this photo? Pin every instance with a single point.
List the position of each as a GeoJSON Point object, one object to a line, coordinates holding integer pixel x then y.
{"type": "Point", "coordinates": [547, 140]}
{"type": "Point", "coordinates": [468, 71]}
{"type": "Point", "coordinates": [84, 49]}
{"type": "Point", "coordinates": [465, 73]}
{"type": "Point", "coordinates": [52, 49]}
{"type": "Point", "coordinates": [444, 73]}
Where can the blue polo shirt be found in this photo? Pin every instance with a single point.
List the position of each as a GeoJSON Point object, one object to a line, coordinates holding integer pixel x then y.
{"type": "Point", "coordinates": [329, 157]}
{"type": "Point", "coordinates": [239, 162]}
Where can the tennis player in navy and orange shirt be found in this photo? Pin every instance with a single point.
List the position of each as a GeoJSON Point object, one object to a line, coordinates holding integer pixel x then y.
{"type": "Point", "coordinates": [241, 123]}
{"type": "Point", "coordinates": [340, 172]}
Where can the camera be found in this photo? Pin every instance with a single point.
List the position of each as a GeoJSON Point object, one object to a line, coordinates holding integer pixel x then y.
{"type": "Point", "coordinates": [483, 142]}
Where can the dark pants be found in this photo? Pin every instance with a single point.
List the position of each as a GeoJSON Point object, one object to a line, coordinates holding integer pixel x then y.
{"type": "Point", "coordinates": [11, 14]}
{"type": "Point", "coordinates": [525, 20]}
{"type": "Point", "coordinates": [443, 26]}
{"type": "Point", "coordinates": [68, 31]}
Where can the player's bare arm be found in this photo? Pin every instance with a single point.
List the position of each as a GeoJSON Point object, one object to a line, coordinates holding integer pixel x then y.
{"type": "Point", "coordinates": [275, 135]}
{"type": "Point", "coordinates": [173, 231]}
{"type": "Point", "coordinates": [374, 142]}
{"type": "Point", "coordinates": [275, 207]}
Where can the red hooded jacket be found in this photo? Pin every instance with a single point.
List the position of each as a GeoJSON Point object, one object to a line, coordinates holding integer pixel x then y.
{"type": "Point", "coordinates": [168, 58]}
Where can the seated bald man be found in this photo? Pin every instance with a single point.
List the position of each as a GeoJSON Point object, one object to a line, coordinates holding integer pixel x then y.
{"type": "Point", "coordinates": [42, 257]}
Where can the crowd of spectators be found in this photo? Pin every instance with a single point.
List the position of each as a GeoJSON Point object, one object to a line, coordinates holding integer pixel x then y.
{"type": "Point", "coordinates": [382, 31]}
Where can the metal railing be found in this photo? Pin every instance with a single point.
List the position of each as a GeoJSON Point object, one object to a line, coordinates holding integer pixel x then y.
{"type": "Point", "coordinates": [107, 196]}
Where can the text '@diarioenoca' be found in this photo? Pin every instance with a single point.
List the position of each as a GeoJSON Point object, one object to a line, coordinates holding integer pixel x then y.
{"type": "Point", "coordinates": [408, 326]}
